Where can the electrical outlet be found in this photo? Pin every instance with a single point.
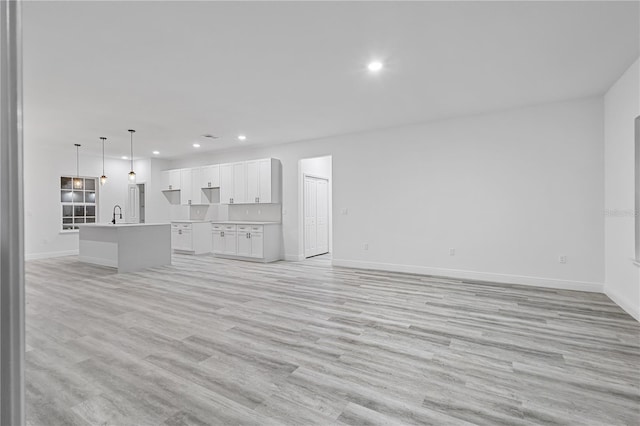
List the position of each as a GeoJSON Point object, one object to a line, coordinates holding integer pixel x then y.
{"type": "Point", "coordinates": [344, 211]}
{"type": "Point", "coordinates": [562, 259]}
{"type": "Point", "coordinates": [452, 252]}
{"type": "Point", "coordinates": [366, 246]}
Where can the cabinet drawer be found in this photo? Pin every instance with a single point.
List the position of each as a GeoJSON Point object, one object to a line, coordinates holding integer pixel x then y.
{"type": "Point", "coordinates": [229, 228]}
{"type": "Point", "coordinates": [217, 227]}
{"type": "Point", "coordinates": [256, 228]}
{"type": "Point", "coordinates": [244, 228]}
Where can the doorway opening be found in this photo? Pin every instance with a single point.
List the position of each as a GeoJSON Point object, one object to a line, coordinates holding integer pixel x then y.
{"type": "Point", "coordinates": [135, 206]}
{"type": "Point", "coordinates": [316, 183]}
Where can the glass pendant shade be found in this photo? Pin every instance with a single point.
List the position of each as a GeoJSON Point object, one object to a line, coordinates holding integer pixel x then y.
{"type": "Point", "coordinates": [132, 176]}
{"type": "Point", "coordinates": [103, 180]}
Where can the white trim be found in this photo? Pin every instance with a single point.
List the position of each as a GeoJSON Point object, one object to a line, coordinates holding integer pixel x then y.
{"type": "Point", "coordinates": [48, 255]}
{"type": "Point", "coordinates": [473, 275]}
{"type": "Point", "coordinates": [294, 257]}
{"type": "Point", "coordinates": [634, 311]}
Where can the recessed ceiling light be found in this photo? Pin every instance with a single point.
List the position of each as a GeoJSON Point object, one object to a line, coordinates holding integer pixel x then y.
{"type": "Point", "coordinates": [124, 157]}
{"type": "Point", "coordinates": [242, 137]}
{"type": "Point", "coordinates": [196, 145]}
{"type": "Point", "coordinates": [156, 152]}
{"type": "Point", "coordinates": [375, 66]}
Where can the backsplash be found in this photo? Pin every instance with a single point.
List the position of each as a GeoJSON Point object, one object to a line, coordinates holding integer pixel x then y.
{"type": "Point", "coordinates": [257, 212]}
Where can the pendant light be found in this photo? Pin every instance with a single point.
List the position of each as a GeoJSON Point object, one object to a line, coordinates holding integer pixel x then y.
{"type": "Point", "coordinates": [103, 178]}
{"type": "Point", "coordinates": [132, 174]}
{"type": "Point", "coordinates": [77, 182]}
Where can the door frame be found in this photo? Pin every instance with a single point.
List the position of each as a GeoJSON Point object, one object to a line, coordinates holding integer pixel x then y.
{"type": "Point", "coordinates": [328, 180]}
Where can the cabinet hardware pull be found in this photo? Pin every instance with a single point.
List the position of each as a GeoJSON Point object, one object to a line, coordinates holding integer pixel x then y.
{"type": "Point", "coordinates": [169, 186]}
{"type": "Point", "coordinates": [222, 233]}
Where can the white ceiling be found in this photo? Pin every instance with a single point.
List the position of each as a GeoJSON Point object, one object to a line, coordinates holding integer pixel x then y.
{"type": "Point", "coordinates": [287, 71]}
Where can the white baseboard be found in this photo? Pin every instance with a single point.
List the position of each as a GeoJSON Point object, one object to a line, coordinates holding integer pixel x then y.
{"type": "Point", "coordinates": [472, 275]}
{"type": "Point", "coordinates": [294, 257]}
{"type": "Point", "coordinates": [34, 256]}
{"type": "Point", "coordinates": [634, 311]}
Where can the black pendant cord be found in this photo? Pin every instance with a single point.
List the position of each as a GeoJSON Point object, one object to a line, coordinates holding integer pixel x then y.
{"type": "Point", "coordinates": [103, 155]}
{"type": "Point", "coordinates": [131, 132]}
{"type": "Point", "coordinates": [77, 160]}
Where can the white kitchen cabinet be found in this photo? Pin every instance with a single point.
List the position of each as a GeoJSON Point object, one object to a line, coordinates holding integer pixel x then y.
{"type": "Point", "coordinates": [257, 241]}
{"type": "Point", "coordinates": [170, 180]}
{"type": "Point", "coordinates": [244, 242]}
{"type": "Point", "coordinates": [191, 237]}
{"type": "Point", "coordinates": [239, 183]}
{"type": "Point", "coordinates": [226, 183]}
{"type": "Point", "coordinates": [224, 239]}
{"type": "Point", "coordinates": [257, 244]}
{"type": "Point", "coordinates": [174, 179]}
{"type": "Point", "coordinates": [185, 187]}
{"type": "Point", "coordinates": [211, 176]}
{"type": "Point", "coordinates": [263, 181]}
{"type": "Point", "coordinates": [250, 182]}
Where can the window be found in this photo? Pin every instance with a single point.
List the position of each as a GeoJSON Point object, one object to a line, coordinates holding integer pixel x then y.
{"type": "Point", "coordinates": [79, 201]}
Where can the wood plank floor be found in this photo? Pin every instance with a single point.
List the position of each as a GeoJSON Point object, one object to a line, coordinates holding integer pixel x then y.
{"type": "Point", "coordinates": [211, 341]}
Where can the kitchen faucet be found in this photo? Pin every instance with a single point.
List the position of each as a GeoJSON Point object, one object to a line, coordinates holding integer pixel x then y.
{"type": "Point", "coordinates": [114, 213]}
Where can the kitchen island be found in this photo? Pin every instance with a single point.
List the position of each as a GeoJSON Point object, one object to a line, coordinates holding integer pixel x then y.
{"type": "Point", "coordinates": [126, 246]}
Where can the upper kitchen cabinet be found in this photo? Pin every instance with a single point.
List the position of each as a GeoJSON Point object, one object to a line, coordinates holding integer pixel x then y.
{"type": "Point", "coordinates": [210, 176]}
{"type": "Point", "coordinates": [226, 183]}
{"type": "Point", "coordinates": [263, 181]}
{"type": "Point", "coordinates": [250, 182]}
{"type": "Point", "coordinates": [171, 180]}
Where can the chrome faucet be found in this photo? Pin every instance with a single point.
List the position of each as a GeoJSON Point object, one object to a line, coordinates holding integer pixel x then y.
{"type": "Point", "coordinates": [114, 213]}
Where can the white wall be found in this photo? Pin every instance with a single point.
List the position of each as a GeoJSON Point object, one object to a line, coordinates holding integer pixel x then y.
{"type": "Point", "coordinates": [510, 191]}
{"type": "Point", "coordinates": [43, 212]}
{"type": "Point", "coordinates": [621, 107]}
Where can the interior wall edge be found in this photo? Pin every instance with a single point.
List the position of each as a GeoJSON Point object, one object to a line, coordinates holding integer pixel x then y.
{"type": "Point", "coordinates": [593, 287]}
{"type": "Point", "coordinates": [634, 311]}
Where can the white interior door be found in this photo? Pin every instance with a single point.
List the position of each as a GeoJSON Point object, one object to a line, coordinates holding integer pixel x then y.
{"type": "Point", "coordinates": [322, 215]}
{"type": "Point", "coordinates": [132, 207]}
{"type": "Point", "coordinates": [316, 216]}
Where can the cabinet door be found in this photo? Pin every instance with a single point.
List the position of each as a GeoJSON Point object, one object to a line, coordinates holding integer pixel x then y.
{"type": "Point", "coordinates": [185, 186]}
{"type": "Point", "coordinates": [186, 241]}
{"type": "Point", "coordinates": [226, 183]}
{"type": "Point", "coordinates": [264, 183]}
{"type": "Point", "coordinates": [230, 243]}
{"type": "Point", "coordinates": [239, 183]}
{"type": "Point", "coordinates": [257, 244]}
{"type": "Point", "coordinates": [211, 176]}
{"type": "Point", "coordinates": [244, 244]}
{"type": "Point", "coordinates": [217, 240]}
{"type": "Point", "coordinates": [253, 181]}
{"type": "Point", "coordinates": [174, 179]}
{"type": "Point", "coordinates": [196, 185]}
{"type": "Point", "coordinates": [164, 180]}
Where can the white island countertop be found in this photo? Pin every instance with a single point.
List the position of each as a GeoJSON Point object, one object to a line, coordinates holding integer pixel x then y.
{"type": "Point", "coordinates": [118, 225]}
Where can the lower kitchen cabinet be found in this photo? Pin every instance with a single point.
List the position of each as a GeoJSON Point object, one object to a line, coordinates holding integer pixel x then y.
{"type": "Point", "coordinates": [247, 241]}
{"type": "Point", "coordinates": [191, 237]}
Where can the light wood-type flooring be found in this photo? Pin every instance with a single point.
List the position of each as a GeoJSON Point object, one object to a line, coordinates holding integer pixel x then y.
{"type": "Point", "coordinates": [222, 342]}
